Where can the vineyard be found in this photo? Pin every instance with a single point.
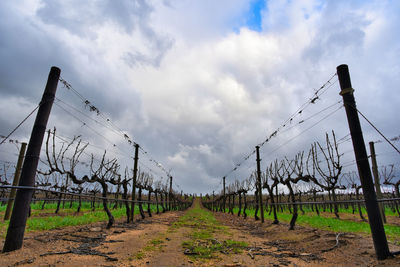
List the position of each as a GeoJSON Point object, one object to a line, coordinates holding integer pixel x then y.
{"type": "Point", "coordinates": [320, 194]}
{"type": "Point", "coordinates": [68, 201]}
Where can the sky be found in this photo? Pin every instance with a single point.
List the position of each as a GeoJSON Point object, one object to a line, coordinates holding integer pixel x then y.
{"type": "Point", "coordinates": [198, 84]}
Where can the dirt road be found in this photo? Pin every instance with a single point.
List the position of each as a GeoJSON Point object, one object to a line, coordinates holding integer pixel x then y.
{"type": "Point", "coordinates": [175, 239]}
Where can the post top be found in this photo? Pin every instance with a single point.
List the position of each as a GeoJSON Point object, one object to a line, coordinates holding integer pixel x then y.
{"type": "Point", "coordinates": [55, 70]}
{"type": "Point", "coordinates": [344, 76]}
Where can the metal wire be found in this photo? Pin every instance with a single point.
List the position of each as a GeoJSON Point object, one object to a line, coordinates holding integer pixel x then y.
{"type": "Point", "coordinates": [73, 194]}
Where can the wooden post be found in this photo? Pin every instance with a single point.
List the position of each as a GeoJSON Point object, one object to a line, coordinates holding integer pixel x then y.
{"type": "Point", "coordinates": [16, 228]}
{"type": "Point", "coordinates": [259, 184]}
{"type": "Point", "coordinates": [135, 170]}
{"type": "Point", "coordinates": [374, 215]}
{"type": "Point", "coordinates": [170, 193]}
{"type": "Point", "coordinates": [13, 192]}
{"type": "Point", "coordinates": [212, 203]}
{"type": "Point", "coordinates": [224, 200]}
{"type": "Point", "coordinates": [376, 180]}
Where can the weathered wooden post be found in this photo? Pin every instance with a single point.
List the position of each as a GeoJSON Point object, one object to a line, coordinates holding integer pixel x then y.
{"type": "Point", "coordinates": [224, 200]}
{"type": "Point", "coordinates": [376, 179]}
{"type": "Point", "coordinates": [135, 170]}
{"type": "Point", "coordinates": [212, 203]}
{"type": "Point", "coordinates": [170, 193]}
{"type": "Point", "coordinates": [17, 173]}
{"type": "Point", "coordinates": [259, 184]}
{"type": "Point", "coordinates": [374, 216]}
{"type": "Point", "coordinates": [16, 228]}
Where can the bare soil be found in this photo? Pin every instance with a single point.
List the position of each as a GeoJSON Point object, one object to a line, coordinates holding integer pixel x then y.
{"type": "Point", "coordinates": [153, 242]}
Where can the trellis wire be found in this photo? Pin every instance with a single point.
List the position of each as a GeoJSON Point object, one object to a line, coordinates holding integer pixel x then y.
{"type": "Point", "coordinates": [72, 194]}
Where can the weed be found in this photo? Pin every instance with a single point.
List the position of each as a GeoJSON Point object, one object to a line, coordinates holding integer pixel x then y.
{"type": "Point", "coordinates": [156, 242]}
{"type": "Point", "coordinates": [140, 255]}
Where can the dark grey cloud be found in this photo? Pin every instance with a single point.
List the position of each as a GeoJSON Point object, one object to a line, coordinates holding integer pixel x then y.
{"type": "Point", "coordinates": [26, 53]}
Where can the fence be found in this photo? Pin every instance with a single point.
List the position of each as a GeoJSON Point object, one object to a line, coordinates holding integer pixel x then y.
{"type": "Point", "coordinates": [64, 163]}
{"type": "Point", "coordinates": [320, 170]}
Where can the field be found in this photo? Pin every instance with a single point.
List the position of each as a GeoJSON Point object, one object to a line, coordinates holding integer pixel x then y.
{"type": "Point", "coordinates": [46, 219]}
{"type": "Point", "coordinates": [348, 222]}
{"type": "Point", "coordinates": [195, 237]}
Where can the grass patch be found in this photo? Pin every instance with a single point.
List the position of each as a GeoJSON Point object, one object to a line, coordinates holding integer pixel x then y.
{"type": "Point", "coordinates": [67, 208]}
{"type": "Point", "coordinates": [140, 255]}
{"type": "Point", "coordinates": [207, 248]}
{"type": "Point", "coordinates": [202, 234]}
{"type": "Point", "coordinates": [331, 224]}
{"type": "Point", "coordinates": [156, 242]}
{"type": "Point", "coordinates": [153, 245]}
{"type": "Point", "coordinates": [198, 218]}
{"type": "Point", "coordinates": [202, 244]}
{"type": "Point", "coordinates": [86, 216]}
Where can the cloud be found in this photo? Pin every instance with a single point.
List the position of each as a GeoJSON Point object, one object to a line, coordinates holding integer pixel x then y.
{"type": "Point", "coordinates": [17, 109]}
{"type": "Point", "coordinates": [83, 21]}
{"type": "Point", "coordinates": [193, 83]}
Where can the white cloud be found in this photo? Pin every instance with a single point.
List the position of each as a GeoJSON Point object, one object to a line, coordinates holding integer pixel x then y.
{"type": "Point", "coordinates": [192, 85]}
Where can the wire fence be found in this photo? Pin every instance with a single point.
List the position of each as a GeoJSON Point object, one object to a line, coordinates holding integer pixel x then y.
{"type": "Point", "coordinates": [89, 196]}
{"type": "Point", "coordinates": [92, 197]}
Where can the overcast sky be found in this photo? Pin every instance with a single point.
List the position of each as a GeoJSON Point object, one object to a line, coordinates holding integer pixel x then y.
{"type": "Point", "coordinates": [199, 83]}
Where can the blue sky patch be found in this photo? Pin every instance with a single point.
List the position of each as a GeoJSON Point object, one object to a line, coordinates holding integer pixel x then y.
{"type": "Point", "coordinates": [253, 17]}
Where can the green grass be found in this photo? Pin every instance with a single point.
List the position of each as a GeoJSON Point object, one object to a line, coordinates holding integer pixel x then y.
{"type": "Point", "coordinates": [156, 242]}
{"type": "Point", "coordinates": [53, 222]}
{"type": "Point", "coordinates": [140, 255]}
{"type": "Point", "coordinates": [326, 223]}
{"type": "Point", "coordinates": [202, 244]}
{"type": "Point", "coordinates": [153, 245]}
{"type": "Point", "coordinates": [206, 249]}
{"type": "Point", "coordinates": [36, 207]}
{"type": "Point", "coordinates": [86, 216]}
{"type": "Point", "coordinates": [349, 210]}
{"type": "Point", "coordinates": [199, 218]}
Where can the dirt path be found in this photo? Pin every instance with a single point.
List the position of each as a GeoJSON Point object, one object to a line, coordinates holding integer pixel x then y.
{"type": "Point", "coordinates": [306, 246]}
{"type": "Point", "coordinates": [90, 245]}
{"type": "Point", "coordinates": [157, 241]}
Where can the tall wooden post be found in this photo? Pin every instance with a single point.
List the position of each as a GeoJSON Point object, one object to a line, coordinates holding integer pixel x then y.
{"type": "Point", "coordinates": [16, 228]}
{"type": "Point", "coordinates": [376, 179]}
{"type": "Point", "coordinates": [259, 184]}
{"type": "Point", "coordinates": [374, 216]}
{"type": "Point", "coordinates": [212, 203]}
{"type": "Point", "coordinates": [135, 170]}
{"type": "Point", "coordinates": [224, 200]}
{"type": "Point", "coordinates": [17, 173]}
{"type": "Point", "coordinates": [170, 193]}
